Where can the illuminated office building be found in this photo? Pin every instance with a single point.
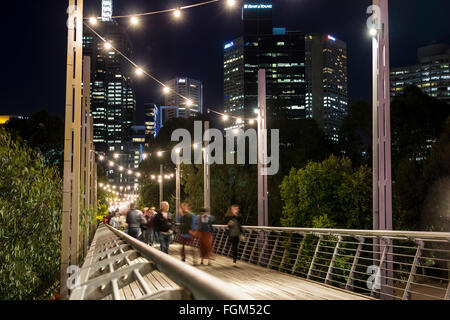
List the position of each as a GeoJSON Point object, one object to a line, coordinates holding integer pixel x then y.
{"type": "Point", "coordinates": [290, 61]}
{"type": "Point", "coordinates": [431, 75]}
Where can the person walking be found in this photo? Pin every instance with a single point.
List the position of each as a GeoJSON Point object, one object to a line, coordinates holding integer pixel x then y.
{"type": "Point", "coordinates": [144, 225]}
{"type": "Point", "coordinates": [153, 236]}
{"type": "Point", "coordinates": [164, 225]}
{"type": "Point", "coordinates": [187, 232]}
{"type": "Point", "coordinates": [205, 229]}
{"type": "Point", "coordinates": [114, 222]}
{"type": "Point", "coordinates": [134, 219]}
{"type": "Point", "coordinates": [234, 221]}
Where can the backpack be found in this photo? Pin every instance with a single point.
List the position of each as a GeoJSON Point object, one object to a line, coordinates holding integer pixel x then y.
{"type": "Point", "coordinates": [195, 219]}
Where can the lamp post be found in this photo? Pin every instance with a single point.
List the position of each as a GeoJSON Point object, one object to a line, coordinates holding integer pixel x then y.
{"type": "Point", "coordinates": [382, 179]}
{"type": "Point", "coordinates": [206, 170]}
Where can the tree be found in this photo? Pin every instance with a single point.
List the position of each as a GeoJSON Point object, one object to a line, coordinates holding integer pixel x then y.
{"type": "Point", "coordinates": [30, 220]}
{"type": "Point", "coordinates": [42, 132]}
{"type": "Point", "coordinates": [331, 193]}
{"type": "Point", "coordinates": [355, 135]}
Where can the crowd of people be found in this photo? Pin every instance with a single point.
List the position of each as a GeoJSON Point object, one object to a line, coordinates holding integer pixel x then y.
{"type": "Point", "coordinates": [158, 226]}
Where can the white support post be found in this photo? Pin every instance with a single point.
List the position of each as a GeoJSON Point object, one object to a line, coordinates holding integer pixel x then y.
{"type": "Point", "coordinates": [206, 170]}
{"type": "Point", "coordinates": [382, 179]}
{"type": "Point", "coordinates": [71, 185]}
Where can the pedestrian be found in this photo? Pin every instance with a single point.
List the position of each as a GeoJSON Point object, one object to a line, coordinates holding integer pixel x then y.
{"type": "Point", "coordinates": [115, 222]}
{"type": "Point", "coordinates": [123, 222]}
{"type": "Point", "coordinates": [164, 225]}
{"type": "Point", "coordinates": [134, 219]}
{"type": "Point", "coordinates": [144, 225]}
{"type": "Point", "coordinates": [205, 229]}
{"type": "Point", "coordinates": [234, 221]}
{"type": "Point", "coordinates": [187, 232]}
{"type": "Point", "coordinates": [153, 235]}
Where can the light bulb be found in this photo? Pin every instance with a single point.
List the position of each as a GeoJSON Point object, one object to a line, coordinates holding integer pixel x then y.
{"type": "Point", "coordinates": [93, 21]}
{"type": "Point", "coordinates": [177, 13]}
{"type": "Point", "coordinates": [139, 71]}
{"type": "Point", "coordinates": [166, 90]}
{"type": "Point", "coordinates": [134, 21]}
{"type": "Point", "coordinates": [231, 3]}
{"type": "Point", "coordinates": [108, 46]}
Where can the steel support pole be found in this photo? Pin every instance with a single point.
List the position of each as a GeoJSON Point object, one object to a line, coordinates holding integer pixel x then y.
{"type": "Point", "coordinates": [206, 169]}
{"type": "Point", "coordinates": [382, 179]}
{"type": "Point", "coordinates": [71, 184]}
{"type": "Point", "coordinates": [263, 207]}
{"type": "Point", "coordinates": [161, 181]}
{"type": "Point", "coordinates": [178, 190]}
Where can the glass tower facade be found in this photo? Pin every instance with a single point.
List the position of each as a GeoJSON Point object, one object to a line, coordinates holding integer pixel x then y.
{"type": "Point", "coordinates": [113, 101]}
{"type": "Point", "coordinates": [431, 75]}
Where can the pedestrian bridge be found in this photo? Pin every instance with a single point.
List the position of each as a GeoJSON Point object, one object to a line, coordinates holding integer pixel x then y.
{"type": "Point", "coordinates": [274, 263]}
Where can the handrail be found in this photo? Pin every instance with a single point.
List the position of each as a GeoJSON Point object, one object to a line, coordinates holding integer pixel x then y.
{"type": "Point", "coordinates": [405, 264]}
{"type": "Point", "coordinates": [377, 233]}
{"type": "Point", "coordinates": [202, 285]}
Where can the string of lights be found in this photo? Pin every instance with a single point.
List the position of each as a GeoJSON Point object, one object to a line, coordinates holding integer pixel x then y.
{"type": "Point", "coordinates": [239, 120]}
{"type": "Point", "coordinates": [138, 70]}
{"type": "Point", "coordinates": [175, 11]}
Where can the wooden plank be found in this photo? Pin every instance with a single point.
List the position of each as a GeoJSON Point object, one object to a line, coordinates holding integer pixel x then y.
{"type": "Point", "coordinates": [264, 283]}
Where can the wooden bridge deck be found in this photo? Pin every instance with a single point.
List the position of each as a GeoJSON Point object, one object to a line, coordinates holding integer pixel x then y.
{"type": "Point", "coordinates": [265, 284]}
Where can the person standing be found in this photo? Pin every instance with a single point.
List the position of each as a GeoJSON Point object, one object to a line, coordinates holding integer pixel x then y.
{"type": "Point", "coordinates": [164, 225]}
{"type": "Point", "coordinates": [144, 225]}
{"type": "Point", "coordinates": [134, 219]}
{"type": "Point", "coordinates": [114, 222]}
{"type": "Point", "coordinates": [234, 221]}
{"type": "Point", "coordinates": [205, 229]}
{"type": "Point", "coordinates": [187, 232]}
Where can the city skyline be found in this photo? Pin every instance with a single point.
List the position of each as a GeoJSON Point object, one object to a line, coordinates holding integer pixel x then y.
{"type": "Point", "coordinates": [161, 48]}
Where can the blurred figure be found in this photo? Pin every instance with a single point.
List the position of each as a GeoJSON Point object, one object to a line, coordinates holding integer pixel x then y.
{"type": "Point", "coordinates": [115, 221]}
{"type": "Point", "coordinates": [123, 222]}
{"type": "Point", "coordinates": [234, 221]}
{"type": "Point", "coordinates": [187, 231]}
{"type": "Point", "coordinates": [153, 236]}
{"type": "Point", "coordinates": [134, 219]}
{"type": "Point", "coordinates": [164, 225]}
{"type": "Point", "coordinates": [205, 229]}
{"type": "Point", "coordinates": [144, 225]}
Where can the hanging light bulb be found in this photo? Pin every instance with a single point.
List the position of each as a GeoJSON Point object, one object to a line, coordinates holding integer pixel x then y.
{"type": "Point", "coordinates": [166, 90]}
{"type": "Point", "coordinates": [139, 72]}
{"type": "Point", "coordinates": [231, 3]}
{"type": "Point", "coordinates": [189, 103]}
{"type": "Point", "coordinates": [225, 117]}
{"type": "Point", "coordinates": [108, 45]}
{"type": "Point", "coordinates": [177, 13]}
{"type": "Point", "coordinates": [134, 21]}
{"type": "Point", "coordinates": [93, 21]}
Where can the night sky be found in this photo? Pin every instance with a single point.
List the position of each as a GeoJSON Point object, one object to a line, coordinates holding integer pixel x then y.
{"type": "Point", "coordinates": [34, 44]}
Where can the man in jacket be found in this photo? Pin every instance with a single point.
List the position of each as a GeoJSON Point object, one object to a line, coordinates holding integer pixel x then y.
{"type": "Point", "coordinates": [134, 219]}
{"type": "Point", "coordinates": [164, 225]}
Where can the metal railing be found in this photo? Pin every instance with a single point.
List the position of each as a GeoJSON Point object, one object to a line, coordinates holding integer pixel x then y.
{"type": "Point", "coordinates": [109, 267]}
{"type": "Point", "coordinates": [381, 264]}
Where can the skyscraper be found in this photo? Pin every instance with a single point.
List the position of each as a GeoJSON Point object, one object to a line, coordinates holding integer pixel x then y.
{"type": "Point", "coordinates": [288, 59]}
{"type": "Point", "coordinates": [431, 75]}
{"type": "Point", "coordinates": [113, 101]}
{"type": "Point", "coordinates": [326, 78]}
{"type": "Point", "coordinates": [185, 87]}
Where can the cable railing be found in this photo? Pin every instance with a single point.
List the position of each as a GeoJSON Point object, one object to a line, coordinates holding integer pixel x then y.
{"type": "Point", "coordinates": [115, 261]}
{"type": "Point", "coordinates": [392, 265]}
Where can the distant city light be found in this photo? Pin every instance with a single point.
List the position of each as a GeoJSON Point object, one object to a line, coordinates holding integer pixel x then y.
{"type": "Point", "coordinates": [331, 38]}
